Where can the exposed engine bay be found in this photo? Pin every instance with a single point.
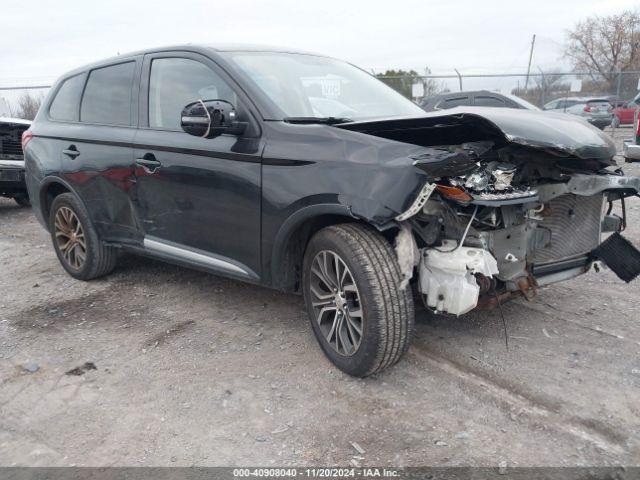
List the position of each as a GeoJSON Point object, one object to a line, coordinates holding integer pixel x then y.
{"type": "Point", "coordinates": [514, 220]}
{"type": "Point", "coordinates": [510, 200]}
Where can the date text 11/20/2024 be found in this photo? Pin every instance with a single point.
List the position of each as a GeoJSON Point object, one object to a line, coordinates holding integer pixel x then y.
{"type": "Point", "coordinates": [316, 472]}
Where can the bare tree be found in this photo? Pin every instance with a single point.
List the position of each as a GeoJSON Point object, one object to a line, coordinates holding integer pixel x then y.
{"type": "Point", "coordinates": [431, 85]}
{"type": "Point", "coordinates": [548, 85]}
{"type": "Point", "coordinates": [545, 86]}
{"type": "Point", "coordinates": [28, 105]}
{"type": "Point", "coordinates": [606, 45]}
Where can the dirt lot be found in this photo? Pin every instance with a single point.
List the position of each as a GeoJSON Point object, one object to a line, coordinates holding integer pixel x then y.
{"type": "Point", "coordinates": [192, 369]}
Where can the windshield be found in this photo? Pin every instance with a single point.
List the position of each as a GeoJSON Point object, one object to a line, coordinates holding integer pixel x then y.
{"type": "Point", "coordinates": [310, 86]}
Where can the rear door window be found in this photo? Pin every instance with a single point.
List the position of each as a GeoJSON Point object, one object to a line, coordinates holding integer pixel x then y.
{"type": "Point", "coordinates": [107, 96]}
{"type": "Point", "coordinates": [66, 103]}
{"type": "Point", "coordinates": [454, 102]}
{"type": "Point", "coordinates": [489, 101]}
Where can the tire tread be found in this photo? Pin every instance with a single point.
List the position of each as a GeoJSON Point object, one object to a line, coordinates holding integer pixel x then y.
{"type": "Point", "coordinates": [393, 306]}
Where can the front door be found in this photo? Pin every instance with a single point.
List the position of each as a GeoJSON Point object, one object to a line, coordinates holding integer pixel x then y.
{"type": "Point", "coordinates": [197, 199]}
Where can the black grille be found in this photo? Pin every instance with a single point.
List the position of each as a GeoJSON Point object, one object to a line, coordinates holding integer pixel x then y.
{"type": "Point", "coordinates": [11, 141]}
{"type": "Point", "coordinates": [10, 147]}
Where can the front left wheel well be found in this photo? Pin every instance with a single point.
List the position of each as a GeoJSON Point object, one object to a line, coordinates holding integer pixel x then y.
{"type": "Point", "coordinates": [288, 270]}
{"type": "Point", "coordinates": [287, 267]}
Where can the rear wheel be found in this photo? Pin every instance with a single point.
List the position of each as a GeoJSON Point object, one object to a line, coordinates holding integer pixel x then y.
{"type": "Point", "coordinates": [615, 123]}
{"type": "Point", "coordinates": [76, 242]}
{"type": "Point", "coordinates": [360, 316]}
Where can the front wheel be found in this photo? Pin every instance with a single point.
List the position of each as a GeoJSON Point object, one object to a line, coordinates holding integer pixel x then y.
{"type": "Point", "coordinates": [360, 316]}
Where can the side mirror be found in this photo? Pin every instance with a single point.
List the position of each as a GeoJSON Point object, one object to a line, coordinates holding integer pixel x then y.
{"type": "Point", "coordinates": [211, 118]}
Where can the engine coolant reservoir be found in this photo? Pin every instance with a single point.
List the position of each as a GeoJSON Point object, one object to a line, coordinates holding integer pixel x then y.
{"type": "Point", "coordinates": [446, 276]}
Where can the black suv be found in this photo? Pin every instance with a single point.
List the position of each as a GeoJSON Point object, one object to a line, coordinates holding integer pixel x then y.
{"type": "Point", "coordinates": [306, 174]}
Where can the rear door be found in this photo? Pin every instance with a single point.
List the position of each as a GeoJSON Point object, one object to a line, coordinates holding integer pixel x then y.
{"type": "Point", "coordinates": [198, 200]}
{"type": "Point", "coordinates": [93, 130]}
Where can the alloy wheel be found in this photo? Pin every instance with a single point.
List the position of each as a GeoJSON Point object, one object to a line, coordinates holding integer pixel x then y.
{"type": "Point", "coordinates": [70, 238]}
{"type": "Point", "coordinates": [336, 302]}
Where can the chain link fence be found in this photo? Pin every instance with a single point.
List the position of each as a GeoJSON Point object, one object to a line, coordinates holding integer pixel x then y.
{"type": "Point", "coordinates": [539, 88]}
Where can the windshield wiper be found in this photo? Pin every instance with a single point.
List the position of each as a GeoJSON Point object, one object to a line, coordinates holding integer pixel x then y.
{"type": "Point", "coordinates": [320, 120]}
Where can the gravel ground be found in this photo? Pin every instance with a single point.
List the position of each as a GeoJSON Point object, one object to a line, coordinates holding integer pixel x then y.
{"type": "Point", "coordinates": [191, 369]}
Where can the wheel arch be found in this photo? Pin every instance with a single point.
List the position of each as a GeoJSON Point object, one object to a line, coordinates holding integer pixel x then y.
{"type": "Point", "coordinates": [292, 238]}
{"type": "Point", "coordinates": [52, 187]}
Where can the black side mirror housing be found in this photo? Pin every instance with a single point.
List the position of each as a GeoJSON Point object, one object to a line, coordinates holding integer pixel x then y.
{"type": "Point", "coordinates": [210, 119]}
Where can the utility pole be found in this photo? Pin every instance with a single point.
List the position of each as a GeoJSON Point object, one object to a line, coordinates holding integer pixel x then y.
{"type": "Point", "coordinates": [533, 42]}
{"type": "Point", "coordinates": [459, 78]}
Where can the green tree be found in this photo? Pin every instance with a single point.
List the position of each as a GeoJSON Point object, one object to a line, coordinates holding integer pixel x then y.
{"type": "Point", "coordinates": [402, 81]}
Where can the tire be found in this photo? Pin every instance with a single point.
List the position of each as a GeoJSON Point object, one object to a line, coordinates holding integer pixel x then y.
{"type": "Point", "coordinates": [22, 200]}
{"type": "Point", "coordinates": [615, 123]}
{"type": "Point", "coordinates": [386, 311]}
{"type": "Point", "coordinates": [98, 260]}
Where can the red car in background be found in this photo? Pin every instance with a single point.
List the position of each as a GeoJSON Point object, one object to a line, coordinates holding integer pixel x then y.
{"type": "Point", "coordinates": [623, 113]}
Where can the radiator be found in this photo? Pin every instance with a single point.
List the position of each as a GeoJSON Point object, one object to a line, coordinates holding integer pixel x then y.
{"type": "Point", "coordinates": [575, 224]}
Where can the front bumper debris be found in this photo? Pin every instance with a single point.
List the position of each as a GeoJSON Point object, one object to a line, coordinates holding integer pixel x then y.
{"type": "Point", "coordinates": [620, 256]}
{"type": "Point", "coordinates": [630, 150]}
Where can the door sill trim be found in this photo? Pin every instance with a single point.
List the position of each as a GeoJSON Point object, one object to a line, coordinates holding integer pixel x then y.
{"type": "Point", "coordinates": [195, 256]}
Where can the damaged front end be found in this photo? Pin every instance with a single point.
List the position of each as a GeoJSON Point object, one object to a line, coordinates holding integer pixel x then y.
{"type": "Point", "coordinates": [507, 212]}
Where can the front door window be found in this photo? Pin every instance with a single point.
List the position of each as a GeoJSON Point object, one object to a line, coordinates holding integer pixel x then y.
{"type": "Point", "coordinates": [176, 82]}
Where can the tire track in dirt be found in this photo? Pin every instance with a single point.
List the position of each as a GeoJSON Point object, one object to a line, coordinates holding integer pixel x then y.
{"type": "Point", "coordinates": [535, 409]}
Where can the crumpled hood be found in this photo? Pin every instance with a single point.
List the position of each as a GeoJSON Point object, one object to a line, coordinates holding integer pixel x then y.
{"type": "Point", "coordinates": [557, 133]}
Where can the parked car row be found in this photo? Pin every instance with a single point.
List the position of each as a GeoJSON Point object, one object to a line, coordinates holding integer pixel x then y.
{"type": "Point", "coordinates": [598, 111]}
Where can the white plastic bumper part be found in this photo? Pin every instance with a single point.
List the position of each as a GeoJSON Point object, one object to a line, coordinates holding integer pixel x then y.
{"type": "Point", "coordinates": [631, 150]}
{"type": "Point", "coordinates": [446, 276]}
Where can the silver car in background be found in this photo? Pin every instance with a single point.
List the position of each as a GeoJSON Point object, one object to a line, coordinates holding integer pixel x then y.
{"type": "Point", "coordinates": [595, 110]}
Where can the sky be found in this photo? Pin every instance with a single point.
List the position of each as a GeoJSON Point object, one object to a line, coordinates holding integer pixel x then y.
{"type": "Point", "coordinates": [47, 38]}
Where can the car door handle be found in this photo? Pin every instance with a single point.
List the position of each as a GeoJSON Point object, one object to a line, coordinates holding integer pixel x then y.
{"type": "Point", "coordinates": [149, 163]}
{"type": "Point", "coordinates": [72, 151]}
